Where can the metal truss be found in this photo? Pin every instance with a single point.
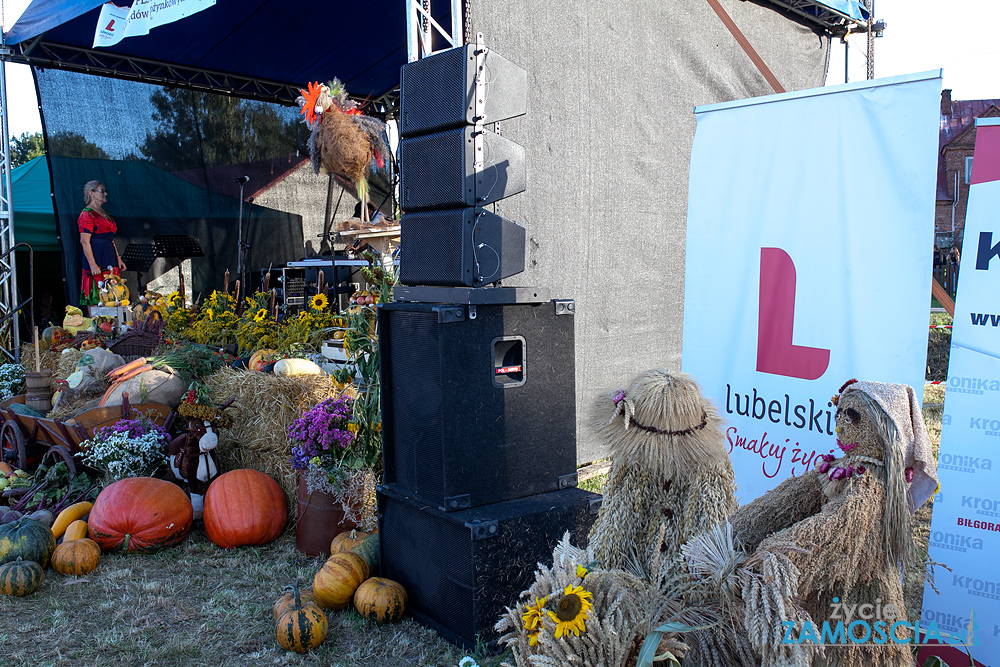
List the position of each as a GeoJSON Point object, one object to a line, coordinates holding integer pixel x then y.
{"type": "Point", "coordinates": [10, 343]}
{"type": "Point", "coordinates": [41, 53]}
{"type": "Point", "coordinates": [820, 16]}
{"type": "Point", "coordinates": [420, 28]}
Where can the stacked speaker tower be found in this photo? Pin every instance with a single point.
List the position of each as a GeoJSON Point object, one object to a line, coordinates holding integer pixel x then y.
{"type": "Point", "coordinates": [478, 380]}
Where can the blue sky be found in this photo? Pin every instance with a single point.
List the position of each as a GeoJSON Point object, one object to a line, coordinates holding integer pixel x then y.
{"type": "Point", "coordinates": [962, 42]}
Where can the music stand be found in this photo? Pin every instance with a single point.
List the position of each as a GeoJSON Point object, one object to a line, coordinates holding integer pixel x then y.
{"type": "Point", "coordinates": [179, 247]}
{"type": "Point", "coordinates": [139, 257]}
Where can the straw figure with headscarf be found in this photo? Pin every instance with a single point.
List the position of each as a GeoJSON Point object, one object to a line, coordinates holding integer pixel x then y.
{"type": "Point", "coordinates": [343, 141]}
{"type": "Point", "coordinates": [839, 534]}
{"type": "Point", "coordinates": [670, 473]}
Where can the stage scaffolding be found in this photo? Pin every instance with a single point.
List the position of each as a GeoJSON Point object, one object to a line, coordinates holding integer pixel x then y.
{"type": "Point", "coordinates": [420, 28]}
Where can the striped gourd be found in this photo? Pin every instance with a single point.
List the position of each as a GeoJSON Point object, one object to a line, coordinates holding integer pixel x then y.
{"type": "Point", "coordinates": [20, 577]}
{"type": "Point", "coordinates": [302, 627]}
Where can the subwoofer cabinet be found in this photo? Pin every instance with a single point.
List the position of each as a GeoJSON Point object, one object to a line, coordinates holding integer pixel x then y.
{"type": "Point", "coordinates": [478, 402]}
{"type": "Point", "coordinates": [461, 569]}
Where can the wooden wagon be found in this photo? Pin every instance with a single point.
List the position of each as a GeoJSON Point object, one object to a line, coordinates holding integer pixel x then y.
{"type": "Point", "coordinates": [24, 439]}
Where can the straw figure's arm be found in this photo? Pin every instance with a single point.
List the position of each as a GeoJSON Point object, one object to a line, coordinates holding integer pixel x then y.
{"type": "Point", "coordinates": [793, 500]}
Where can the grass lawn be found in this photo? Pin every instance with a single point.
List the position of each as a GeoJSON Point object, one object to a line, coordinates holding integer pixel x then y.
{"type": "Point", "coordinates": [197, 604]}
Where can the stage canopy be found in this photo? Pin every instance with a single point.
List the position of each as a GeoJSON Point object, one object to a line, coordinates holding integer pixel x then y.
{"type": "Point", "coordinates": [263, 49]}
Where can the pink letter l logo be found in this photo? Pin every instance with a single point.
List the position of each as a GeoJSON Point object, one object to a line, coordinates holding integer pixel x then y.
{"type": "Point", "coordinates": [775, 352]}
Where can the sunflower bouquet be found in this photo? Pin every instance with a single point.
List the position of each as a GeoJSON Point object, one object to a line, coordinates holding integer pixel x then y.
{"type": "Point", "coordinates": [215, 322]}
{"type": "Point", "coordinates": [256, 329]}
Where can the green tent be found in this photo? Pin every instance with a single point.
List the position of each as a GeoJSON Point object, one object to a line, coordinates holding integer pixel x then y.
{"type": "Point", "coordinates": [34, 220]}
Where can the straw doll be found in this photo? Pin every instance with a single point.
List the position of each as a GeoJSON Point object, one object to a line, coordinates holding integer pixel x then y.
{"type": "Point", "coordinates": [844, 529]}
{"type": "Point", "coordinates": [670, 474]}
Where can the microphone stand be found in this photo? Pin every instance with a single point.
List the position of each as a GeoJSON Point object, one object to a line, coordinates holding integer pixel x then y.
{"type": "Point", "coordinates": [239, 236]}
{"type": "Point", "coordinates": [245, 251]}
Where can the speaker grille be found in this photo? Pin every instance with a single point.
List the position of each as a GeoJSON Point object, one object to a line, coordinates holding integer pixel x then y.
{"type": "Point", "coordinates": [462, 569]}
{"type": "Point", "coordinates": [435, 170]}
{"type": "Point", "coordinates": [435, 248]}
{"type": "Point", "coordinates": [416, 406]}
{"type": "Point", "coordinates": [436, 92]}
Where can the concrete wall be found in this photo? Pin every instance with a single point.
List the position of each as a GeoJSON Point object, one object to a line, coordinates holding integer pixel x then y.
{"type": "Point", "coordinates": [608, 136]}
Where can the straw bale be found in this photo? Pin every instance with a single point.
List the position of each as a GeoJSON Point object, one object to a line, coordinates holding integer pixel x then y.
{"type": "Point", "coordinates": [49, 360]}
{"type": "Point", "coordinates": [67, 362]}
{"type": "Point", "coordinates": [264, 408]}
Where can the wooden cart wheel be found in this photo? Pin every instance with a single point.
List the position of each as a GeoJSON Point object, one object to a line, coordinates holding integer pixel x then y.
{"type": "Point", "coordinates": [58, 451]}
{"type": "Point", "coordinates": [13, 446]}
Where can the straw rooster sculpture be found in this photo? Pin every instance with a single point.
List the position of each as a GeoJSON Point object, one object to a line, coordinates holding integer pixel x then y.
{"type": "Point", "coordinates": [343, 141]}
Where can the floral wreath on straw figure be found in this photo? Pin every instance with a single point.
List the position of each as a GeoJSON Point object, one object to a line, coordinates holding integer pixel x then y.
{"type": "Point", "coordinates": [838, 533]}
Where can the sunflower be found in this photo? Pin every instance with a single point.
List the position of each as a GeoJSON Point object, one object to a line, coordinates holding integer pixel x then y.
{"type": "Point", "coordinates": [260, 315]}
{"type": "Point", "coordinates": [582, 571]}
{"type": "Point", "coordinates": [571, 611]}
{"type": "Point", "coordinates": [319, 302]}
{"type": "Point", "coordinates": [533, 616]}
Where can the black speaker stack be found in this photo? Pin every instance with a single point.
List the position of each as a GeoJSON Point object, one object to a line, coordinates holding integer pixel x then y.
{"type": "Point", "coordinates": [477, 380]}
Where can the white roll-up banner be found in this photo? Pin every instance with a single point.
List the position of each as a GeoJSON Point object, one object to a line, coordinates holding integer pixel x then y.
{"type": "Point", "coordinates": [965, 529]}
{"type": "Point", "coordinates": [809, 239]}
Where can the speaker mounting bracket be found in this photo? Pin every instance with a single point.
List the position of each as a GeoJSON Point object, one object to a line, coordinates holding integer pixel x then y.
{"type": "Point", "coordinates": [566, 481]}
{"type": "Point", "coordinates": [453, 503]}
{"type": "Point", "coordinates": [479, 115]}
{"type": "Point", "coordinates": [483, 530]}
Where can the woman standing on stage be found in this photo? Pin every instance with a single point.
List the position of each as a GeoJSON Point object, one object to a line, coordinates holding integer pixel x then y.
{"type": "Point", "coordinates": [97, 238]}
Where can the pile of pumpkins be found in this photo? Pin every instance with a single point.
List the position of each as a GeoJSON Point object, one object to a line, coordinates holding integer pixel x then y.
{"type": "Point", "coordinates": [301, 623]}
{"type": "Point", "coordinates": [28, 546]}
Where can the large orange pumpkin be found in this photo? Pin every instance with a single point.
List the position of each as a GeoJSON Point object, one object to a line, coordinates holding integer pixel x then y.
{"type": "Point", "coordinates": [335, 583]}
{"type": "Point", "coordinates": [244, 507]}
{"type": "Point", "coordinates": [140, 514]}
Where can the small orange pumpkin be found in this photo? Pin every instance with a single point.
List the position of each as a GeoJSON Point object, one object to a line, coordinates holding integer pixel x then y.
{"type": "Point", "coordinates": [340, 576]}
{"type": "Point", "coordinates": [346, 541]}
{"type": "Point", "coordinates": [76, 557]}
{"type": "Point", "coordinates": [287, 601]}
{"type": "Point", "coordinates": [303, 626]}
{"type": "Point", "coordinates": [381, 600]}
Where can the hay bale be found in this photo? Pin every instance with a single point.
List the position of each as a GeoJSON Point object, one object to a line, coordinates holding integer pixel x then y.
{"type": "Point", "coordinates": [264, 408]}
{"type": "Point", "coordinates": [67, 362]}
{"type": "Point", "coordinates": [49, 361]}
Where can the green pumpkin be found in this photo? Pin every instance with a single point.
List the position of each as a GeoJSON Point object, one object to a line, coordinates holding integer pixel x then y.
{"type": "Point", "coordinates": [20, 577]}
{"type": "Point", "coordinates": [27, 539]}
{"type": "Point", "coordinates": [369, 550]}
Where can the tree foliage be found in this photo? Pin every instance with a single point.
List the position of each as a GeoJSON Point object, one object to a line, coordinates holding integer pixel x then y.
{"type": "Point", "coordinates": [26, 147]}
{"type": "Point", "coordinates": [74, 144]}
{"type": "Point", "coordinates": [200, 129]}
{"type": "Point", "coordinates": [63, 144]}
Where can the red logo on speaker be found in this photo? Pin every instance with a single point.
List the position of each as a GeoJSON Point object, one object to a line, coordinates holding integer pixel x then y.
{"type": "Point", "coordinates": [504, 370]}
{"type": "Point", "coordinates": [776, 318]}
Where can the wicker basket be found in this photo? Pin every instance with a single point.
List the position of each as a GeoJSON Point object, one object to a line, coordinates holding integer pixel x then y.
{"type": "Point", "coordinates": [135, 344]}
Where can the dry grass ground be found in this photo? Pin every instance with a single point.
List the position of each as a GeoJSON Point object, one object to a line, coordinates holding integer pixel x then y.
{"type": "Point", "coordinates": [196, 605]}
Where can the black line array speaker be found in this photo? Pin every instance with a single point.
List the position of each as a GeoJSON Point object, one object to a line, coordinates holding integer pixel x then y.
{"type": "Point", "coordinates": [449, 159]}
{"type": "Point", "coordinates": [439, 170]}
{"type": "Point", "coordinates": [438, 90]}
{"type": "Point", "coordinates": [478, 402]}
{"type": "Point", "coordinates": [460, 247]}
{"type": "Point", "coordinates": [461, 569]}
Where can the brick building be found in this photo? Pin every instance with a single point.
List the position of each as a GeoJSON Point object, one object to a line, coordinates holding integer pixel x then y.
{"type": "Point", "coordinates": [956, 142]}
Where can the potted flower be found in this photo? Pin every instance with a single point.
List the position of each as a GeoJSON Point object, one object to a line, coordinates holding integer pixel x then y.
{"type": "Point", "coordinates": [336, 474]}
{"type": "Point", "coordinates": [128, 448]}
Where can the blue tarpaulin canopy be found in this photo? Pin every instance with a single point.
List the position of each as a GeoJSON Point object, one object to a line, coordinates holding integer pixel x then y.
{"type": "Point", "coordinates": [252, 47]}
